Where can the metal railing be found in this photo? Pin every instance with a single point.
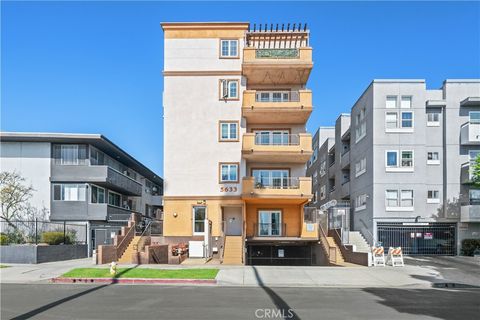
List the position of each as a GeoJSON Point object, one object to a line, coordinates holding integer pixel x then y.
{"type": "Point", "coordinates": [277, 183]}
{"type": "Point", "coordinates": [277, 53]}
{"type": "Point", "coordinates": [272, 139]}
{"type": "Point", "coordinates": [270, 229]}
{"type": "Point", "coordinates": [122, 246]}
{"type": "Point", "coordinates": [277, 96]}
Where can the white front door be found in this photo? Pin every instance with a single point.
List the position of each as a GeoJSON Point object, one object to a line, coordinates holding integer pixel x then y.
{"type": "Point", "coordinates": [233, 221]}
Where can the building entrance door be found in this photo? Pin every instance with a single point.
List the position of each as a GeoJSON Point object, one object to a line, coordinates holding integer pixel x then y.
{"type": "Point", "coordinates": [233, 221]}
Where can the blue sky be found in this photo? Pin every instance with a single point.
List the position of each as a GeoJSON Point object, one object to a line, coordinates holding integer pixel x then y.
{"type": "Point", "coordinates": [95, 67]}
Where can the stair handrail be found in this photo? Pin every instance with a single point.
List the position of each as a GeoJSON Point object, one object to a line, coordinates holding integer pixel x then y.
{"type": "Point", "coordinates": [340, 238]}
{"type": "Point", "coordinates": [143, 237]}
{"type": "Point", "coordinates": [328, 248]}
{"type": "Point", "coordinates": [122, 246]}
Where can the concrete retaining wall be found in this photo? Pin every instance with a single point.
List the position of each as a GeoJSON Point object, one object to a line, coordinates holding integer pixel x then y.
{"type": "Point", "coordinates": [41, 253]}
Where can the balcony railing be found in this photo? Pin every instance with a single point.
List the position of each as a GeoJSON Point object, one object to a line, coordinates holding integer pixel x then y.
{"type": "Point", "coordinates": [470, 133]}
{"type": "Point", "coordinates": [277, 96]}
{"type": "Point", "coordinates": [270, 229]}
{"type": "Point", "coordinates": [277, 139]}
{"type": "Point", "coordinates": [277, 53]}
{"type": "Point", "coordinates": [277, 183]}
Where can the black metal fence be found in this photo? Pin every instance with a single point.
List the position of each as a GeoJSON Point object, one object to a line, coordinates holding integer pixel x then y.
{"type": "Point", "coordinates": [37, 231]}
{"type": "Point", "coordinates": [426, 239]}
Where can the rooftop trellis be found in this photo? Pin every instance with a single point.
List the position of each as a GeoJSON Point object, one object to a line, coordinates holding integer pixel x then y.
{"type": "Point", "coordinates": [277, 36]}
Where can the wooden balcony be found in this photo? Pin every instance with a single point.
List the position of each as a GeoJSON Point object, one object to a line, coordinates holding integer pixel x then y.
{"type": "Point", "coordinates": [277, 66]}
{"type": "Point", "coordinates": [295, 110]}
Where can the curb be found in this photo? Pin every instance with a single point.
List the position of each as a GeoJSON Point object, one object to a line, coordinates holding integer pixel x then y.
{"type": "Point", "coordinates": [133, 281]}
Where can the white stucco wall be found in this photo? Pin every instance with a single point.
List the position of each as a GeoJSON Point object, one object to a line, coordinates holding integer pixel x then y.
{"type": "Point", "coordinates": [32, 161]}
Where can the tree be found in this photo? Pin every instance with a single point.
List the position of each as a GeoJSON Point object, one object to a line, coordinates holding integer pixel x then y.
{"type": "Point", "coordinates": [14, 196]}
{"type": "Point", "coordinates": [475, 167]}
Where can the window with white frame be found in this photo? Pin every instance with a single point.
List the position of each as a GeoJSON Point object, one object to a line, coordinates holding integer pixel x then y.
{"type": "Point", "coordinates": [407, 119]}
{"type": "Point", "coordinates": [433, 196]}
{"type": "Point", "coordinates": [433, 119]}
{"type": "Point", "coordinates": [69, 192]}
{"type": "Point", "coordinates": [199, 216]}
{"type": "Point", "coordinates": [406, 102]}
{"type": "Point", "coordinates": [315, 154]}
{"type": "Point", "coordinates": [360, 125]}
{"type": "Point", "coordinates": [228, 172]}
{"type": "Point", "coordinates": [398, 200]}
{"type": "Point", "coordinates": [228, 131]}
{"type": "Point", "coordinates": [399, 160]}
{"type": "Point", "coordinates": [229, 48]}
{"type": "Point", "coordinates": [406, 198]}
{"type": "Point", "coordinates": [323, 192]}
{"type": "Point", "coordinates": [360, 167]}
{"type": "Point", "coordinates": [360, 202]}
{"type": "Point", "coordinates": [391, 102]}
{"type": "Point", "coordinates": [391, 198]}
{"type": "Point", "coordinates": [229, 89]}
{"type": "Point", "coordinates": [391, 120]}
{"type": "Point", "coordinates": [433, 157]}
{"type": "Point", "coordinates": [97, 194]}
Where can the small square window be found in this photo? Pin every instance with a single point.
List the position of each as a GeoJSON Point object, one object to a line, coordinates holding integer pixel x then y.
{"type": "Point", "coordinates": [392, 158]}
{"type": "Point", "coordinates": [406, 102]}
{"type": "Point", "coordinates": [407, 119]}
{"type": "Point", "coordinates": [228, 172]}
{"type": "Point", "coordinates": [391, 102]}
{"type": "Point", "coordinates": [228, 131]}
{"type": "Point", "coordinates": [228, 48]}
{"type": "Point", "coordinates": [229, 89]}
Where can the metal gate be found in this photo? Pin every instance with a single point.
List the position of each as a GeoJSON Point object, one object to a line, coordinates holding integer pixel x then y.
{"type": "Point", "coordinates": [419, 238]}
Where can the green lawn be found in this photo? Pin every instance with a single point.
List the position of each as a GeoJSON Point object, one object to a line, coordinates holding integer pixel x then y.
{"type": "Point", "coordinates": [3, 266]}
{"type": "Point", "coordinates": [143, 273]}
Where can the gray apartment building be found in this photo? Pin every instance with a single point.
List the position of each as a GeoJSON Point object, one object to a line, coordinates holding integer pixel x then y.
{"type": "Point", "coordinates": [401, 160]}
{"type": "Point", "coordinates": [83, 178]}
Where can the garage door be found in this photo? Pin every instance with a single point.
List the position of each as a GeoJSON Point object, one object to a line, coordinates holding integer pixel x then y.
{"type": "Point", "coordinates": [279, 255]}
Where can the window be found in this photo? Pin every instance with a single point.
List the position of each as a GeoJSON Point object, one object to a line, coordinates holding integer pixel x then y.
{"type": "Point", "coordinates": [406, 102]}
{"type": "Point", "coordinates": [392, 159]}
{"type": "Point", "coordinates": [69, 192]}
{"type": "Point", "coordinates": [314, 197]}
{"type": "Point", "coordinates": [360, 167]}
{"type": "Point", "coordinates": [474, 196]}
{"type": "Point", "coordinates": [407, 159]}
{"type": "Point", "coordinates": [97, 194]}
{"type": "Point", "coordinates": [273, 178]}
{"type": "Point", "coordinates": [391, 197]}
{"type": "Point", "coordinates": [70, 154]}
{"type": "Point", "coordinates": [229, 48]}
{"type": "Point", "coordinates": [323, 192]}
{"type": "Point", "coordinates": [199, 216]}
{"type": "Point", "coordinates": [391, 120]}
{"type": "Point", "coordinates": [433, 196]}
{"type": "Point", "coordinates": [229, 89]}
{"type": "Point", "coordinates": [272, 96]}
{"type": "Point", "coordinates": [323, 166]}
{"type": "Point", "coordinates": [406, 198]}
{"type": "Point", "coordinates": [433, 119]}
{"type": "Point", "coordinates": [272, 137]}
{"type": "Point", "coordinates": [228, 172]}
{"type": "Point", "coordinates": [114, 199]}
{"type": "Point", "coordinates": [391, 102]}
{"type": "Point", "coordinates": [315, 177]}
{"type": "Point", "coordinates": [407, 119]}
{"type": "Point", "coordinates": [228, 131]}
{"type": "Point", "coordinates": [433, 158]}
{"type": "Point", "coordinates": [399, 161]}
{"type": "Point", "coordinates": [474, 116]}
{"type": "Point", "coordinates": [361, 125]}
{"type": "Point", "coordinates": [360, 202]}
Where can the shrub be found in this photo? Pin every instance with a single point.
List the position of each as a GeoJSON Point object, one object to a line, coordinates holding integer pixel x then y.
{"type": "Point", "coordinates": [56, 237]}
{"type": "Point", "coordinates": [469, 246]}
{"type": "Point", "coordinates": [3, 239]}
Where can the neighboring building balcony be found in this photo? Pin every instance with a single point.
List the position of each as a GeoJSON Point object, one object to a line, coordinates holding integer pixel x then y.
{"type": "Point", "coordinates": [345, 190]}
{"type": "Point", "coordinates": [466, 174]}
{"type": "Point", "coordinates": [331, 170]}
{"type": "Point", "coordinates": [84, 210]}
{"type": "Point", "coordinates": [103, 176]}
{"type": "Point", "coordinates": [265, 107]}
{"type": "Point", "coordinates": [470, 213]}
{"type": "Point", "coordinates": [298, 189]}
{"type": "Point", "coordinates": [291, 148]}
{"type": "Point", "coordinates": [277, 66]}
{"type": "Point", "coordinates": [345, 159]}
{"type": "Point", "coordinates": [470, 133]}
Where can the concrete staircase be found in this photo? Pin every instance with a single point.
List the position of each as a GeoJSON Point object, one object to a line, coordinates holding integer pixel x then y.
{"type": "Point", "coordinates": [356, 239]}
{"type": "Point", "coordinates": [127, 254]}
{"type": "Point", "coordinates": [233, 250]}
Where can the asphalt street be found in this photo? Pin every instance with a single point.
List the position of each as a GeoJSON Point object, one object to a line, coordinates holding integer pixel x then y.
{"type": "Point", "coordinates": [54, 301]}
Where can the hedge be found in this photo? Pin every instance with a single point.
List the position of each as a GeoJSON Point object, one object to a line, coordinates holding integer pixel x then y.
{"type": "Point", "coordinates": [469, 246]}
{"type": "Point", "coordinates": [57, 237]}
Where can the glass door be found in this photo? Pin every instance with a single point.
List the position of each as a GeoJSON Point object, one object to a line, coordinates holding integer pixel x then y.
{"type": "Point", "coordinates": [272, 137]}
{"type": "Point", "coordinates": [269, 223]}
{"type": "Point", "coordinates": [272, 178]}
